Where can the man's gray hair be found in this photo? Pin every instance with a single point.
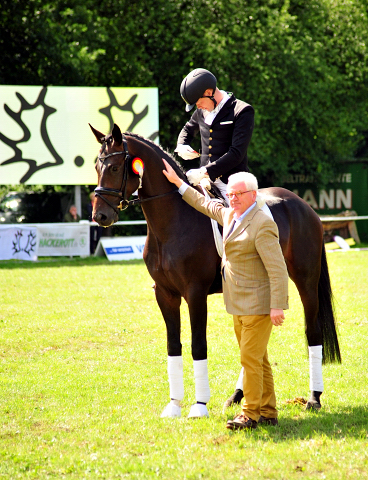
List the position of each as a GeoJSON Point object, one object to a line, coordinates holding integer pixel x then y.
{"type": "Point", "coordinates": [247, 178]}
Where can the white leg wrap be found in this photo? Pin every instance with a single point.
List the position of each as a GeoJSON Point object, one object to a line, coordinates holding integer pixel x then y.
{"type": "Point", "coordinates": [239, 383]}
{"type": "Point", "coordinates": [315, 368]}
{"type": "Point", "coordinates": [202, 386]}
{"type": "Point", "coordinates": [176, 380]}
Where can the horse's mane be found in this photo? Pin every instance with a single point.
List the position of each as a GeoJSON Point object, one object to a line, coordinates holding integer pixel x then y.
{"type": "Point", "coordinates": [163, 154]}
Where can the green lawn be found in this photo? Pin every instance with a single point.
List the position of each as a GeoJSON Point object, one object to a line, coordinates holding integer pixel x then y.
{"type": "Point", "coordinates": [83, 382]}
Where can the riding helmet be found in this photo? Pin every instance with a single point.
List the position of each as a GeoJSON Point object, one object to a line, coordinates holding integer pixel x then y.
{"type": "Point", "coordinates": [195, 84]}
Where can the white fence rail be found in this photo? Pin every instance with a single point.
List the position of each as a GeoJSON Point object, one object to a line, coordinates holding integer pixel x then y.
{"type": "Point", "coordinates": [72, 239]}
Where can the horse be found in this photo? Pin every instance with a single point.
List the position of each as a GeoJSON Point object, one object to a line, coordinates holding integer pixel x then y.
{"type": "Point", "coordinates": [181, 257]}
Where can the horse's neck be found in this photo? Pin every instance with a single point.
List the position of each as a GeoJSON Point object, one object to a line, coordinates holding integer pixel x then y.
{"type": "Point", "coordinates": [160, 213]}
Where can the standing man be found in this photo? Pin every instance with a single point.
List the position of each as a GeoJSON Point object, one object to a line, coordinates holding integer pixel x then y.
{"type": "Point", "coordinates": [255, 287]}
{"type": "Point", "coordinates": [225, 125]}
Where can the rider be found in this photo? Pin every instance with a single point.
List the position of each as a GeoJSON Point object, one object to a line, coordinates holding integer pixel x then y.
{"type": "Point", "coordinates": [225, 125]}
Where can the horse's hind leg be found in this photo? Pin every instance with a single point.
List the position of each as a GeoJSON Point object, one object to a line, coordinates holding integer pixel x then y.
{"type": "Point", "coordinates": [237, 396]}
{"type": "Point", "coordinates": [169, 304]}
{"type": "Point", "coordinates": [308, 291]}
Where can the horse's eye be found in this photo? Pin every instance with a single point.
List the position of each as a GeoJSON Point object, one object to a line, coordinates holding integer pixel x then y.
{"type": "Point", "coordinates": [114, 169]}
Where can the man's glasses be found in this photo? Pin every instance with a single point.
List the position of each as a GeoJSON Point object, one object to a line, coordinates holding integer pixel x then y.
{"type": "Point", "coordinates": [237, 194]}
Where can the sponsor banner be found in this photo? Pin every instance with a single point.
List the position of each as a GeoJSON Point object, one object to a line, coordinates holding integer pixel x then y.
{"type": "Point", "coordinates": [44, 133]}
{"type": "Point", "coordinates": [20, 243]}
{"type": "Point", "coordinates": [64, 239]}
{"type": "Point", "coordinates": [121, 248]}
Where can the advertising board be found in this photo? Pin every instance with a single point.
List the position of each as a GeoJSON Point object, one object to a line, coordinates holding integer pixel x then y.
{"type": "Point", "coordinates": [18, 243]}
{"type": "Point", "coordinates": [348, 191]}
{"type": "Point", "coordinates": [121, 248]}
{"type": "Point", "coordinates": [65, 239]}
{"type": "Point", "coordinates": [45, 138]}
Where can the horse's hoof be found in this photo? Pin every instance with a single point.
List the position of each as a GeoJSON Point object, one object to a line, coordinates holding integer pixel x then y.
{"type": "Point", "coordinates": [314, 402]}
{"type": "Point", "coordinates": [235, 399]}
{"type": "Point", "coordinates": [171, 411]}
{"type": "Point", "coordinates": [313, 405]}
{"type": "Point", "coordinates": [198, 410]}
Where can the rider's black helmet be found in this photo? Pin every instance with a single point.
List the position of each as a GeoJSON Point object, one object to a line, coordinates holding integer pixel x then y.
{"type": "Point", "coordinates": [195, 84]}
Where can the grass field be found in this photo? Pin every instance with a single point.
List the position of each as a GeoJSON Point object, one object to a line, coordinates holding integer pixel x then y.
{"type": "Point", "coordinates": [83, 382]}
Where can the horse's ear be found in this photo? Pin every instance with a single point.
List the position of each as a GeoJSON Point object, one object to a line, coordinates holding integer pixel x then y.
{"type": "Point", "coordinates": [100, 137]}
{"type": "Point", "coordinates": [116, 135]}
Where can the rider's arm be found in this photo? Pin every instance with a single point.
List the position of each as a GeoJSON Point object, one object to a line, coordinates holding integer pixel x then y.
{"type": "Point", "coordinates": [242, 134]}
{"type": "Point", "coordinates": [189, 131]}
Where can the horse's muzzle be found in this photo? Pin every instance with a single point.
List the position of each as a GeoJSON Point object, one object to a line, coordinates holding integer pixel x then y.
{"type": "Point", "coordinates": [104, 220]}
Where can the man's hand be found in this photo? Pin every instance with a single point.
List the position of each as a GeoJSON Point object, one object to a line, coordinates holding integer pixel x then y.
{"type": "Point", "coordinates": [196, 174]}
{"type": "Point", "coordinates": [277, 316]}
{"type": "Point", "coordinates": [171, 175]}
{"type": "Point", "coordinates": [186, 152]}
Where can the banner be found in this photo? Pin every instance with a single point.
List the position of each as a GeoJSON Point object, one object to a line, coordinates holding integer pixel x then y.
{"type": "Point", "coordinates": [121, 248]}
{"type": "Point", "coordinates": [18, 243]}
{"type": "Point", "coordinates": [44, 133]}
{"type": "Point", "coordinates": [64, 239]}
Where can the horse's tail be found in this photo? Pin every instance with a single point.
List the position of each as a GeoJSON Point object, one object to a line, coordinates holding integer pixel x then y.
{"type": "Point", "coordinates": [326, 317]}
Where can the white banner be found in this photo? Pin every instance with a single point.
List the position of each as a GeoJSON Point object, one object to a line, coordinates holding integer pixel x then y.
{"type": "Point", "coordinates": [64, 239]}
{"type": "Point", "coordinates": [44, 133]}
{"type": "Point", "coordinates": [18, 243]}
{"type": "Point", "coordinates": [121, 248]}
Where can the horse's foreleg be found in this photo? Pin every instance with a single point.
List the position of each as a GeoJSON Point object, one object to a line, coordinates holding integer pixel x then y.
{"type": "Point", "coordinates": [197, 303]}
{"type": "Point", "coordinates": [170, 308]}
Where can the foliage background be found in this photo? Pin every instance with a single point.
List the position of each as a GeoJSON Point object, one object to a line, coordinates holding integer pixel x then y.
{"type": "Point", "coordinates": [303, 65]}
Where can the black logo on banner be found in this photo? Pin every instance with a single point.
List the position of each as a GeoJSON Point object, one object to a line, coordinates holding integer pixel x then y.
{"type": "Point", "coordinates": [35, 165]}
{"type": "Point", "coordinates": [18, 154]}
{"type": "Point", "coordinates": [31, 243]}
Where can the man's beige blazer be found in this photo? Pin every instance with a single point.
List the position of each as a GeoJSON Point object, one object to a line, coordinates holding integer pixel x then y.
{"type": "Point", "coordinates": [255, 277]}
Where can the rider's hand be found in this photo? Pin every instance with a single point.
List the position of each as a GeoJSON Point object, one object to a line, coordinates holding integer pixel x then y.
{"type": "Point", "coordinates": [196, 174]}
{"type": "Point", "coordinates": [205, 183]}
{"type": "Point", "coordinates": [186, 152]}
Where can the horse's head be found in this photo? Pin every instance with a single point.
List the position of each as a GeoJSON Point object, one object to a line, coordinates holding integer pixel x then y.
{"type": "Point", "coordinates": [115, 181]}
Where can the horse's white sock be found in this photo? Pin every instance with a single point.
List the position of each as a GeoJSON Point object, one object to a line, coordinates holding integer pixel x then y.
{"type": "Point", "coordinates": [315, 368]}
{"type": "Point", "coordinates": [176, 381]}
{"type": "Point", "coordinates": [202, 386]}
{"type": "Point", "coordinates": [239, 383]}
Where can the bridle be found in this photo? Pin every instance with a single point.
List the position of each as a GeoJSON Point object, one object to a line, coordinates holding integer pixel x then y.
{"type": "Point", "coordinates": [121, 193]}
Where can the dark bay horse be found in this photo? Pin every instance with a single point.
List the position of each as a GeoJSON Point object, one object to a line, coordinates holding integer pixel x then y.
{"type": "Point", "coordinates": [182, 259]}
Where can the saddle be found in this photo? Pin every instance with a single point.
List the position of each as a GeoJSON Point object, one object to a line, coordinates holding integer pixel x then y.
{"type": "Point", "coordinates": [212, 191]}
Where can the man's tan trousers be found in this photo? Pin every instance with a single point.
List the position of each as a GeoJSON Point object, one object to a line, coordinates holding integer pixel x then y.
{"type": "Point", "coordinates": [253, 333]}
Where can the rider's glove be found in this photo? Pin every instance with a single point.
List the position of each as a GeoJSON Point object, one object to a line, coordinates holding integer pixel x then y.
{"type": "Point", "coordinates": [186, 152]}
{"type": "Point", "coordinates": [196, 174]}
{"type": "Point", "coordinates": [205, 183]}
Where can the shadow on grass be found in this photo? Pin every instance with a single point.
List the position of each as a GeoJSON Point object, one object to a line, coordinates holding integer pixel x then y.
{"type": "Point", "coordinates": [346, 423]}
{"type": "Point", "coordinates": [52, 262]}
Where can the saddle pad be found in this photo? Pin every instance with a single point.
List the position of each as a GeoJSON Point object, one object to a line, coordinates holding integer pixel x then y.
{"type": "Point", "coordinates": [215, 227]}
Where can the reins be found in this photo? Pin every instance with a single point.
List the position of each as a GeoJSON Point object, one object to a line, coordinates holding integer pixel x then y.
{"type": "Point", "coordinates": [121, 193]}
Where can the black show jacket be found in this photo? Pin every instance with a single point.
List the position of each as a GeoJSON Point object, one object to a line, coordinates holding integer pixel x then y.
{"type": "Point", "coordinates": [225, 142]}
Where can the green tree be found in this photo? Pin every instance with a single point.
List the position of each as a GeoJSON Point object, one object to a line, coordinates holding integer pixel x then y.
{"type": "Point", "coordinates": [302, 65]}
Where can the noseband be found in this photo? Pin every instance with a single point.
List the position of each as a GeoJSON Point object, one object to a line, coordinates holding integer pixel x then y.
{"type": "Point", "coordinates": [121, 193]}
